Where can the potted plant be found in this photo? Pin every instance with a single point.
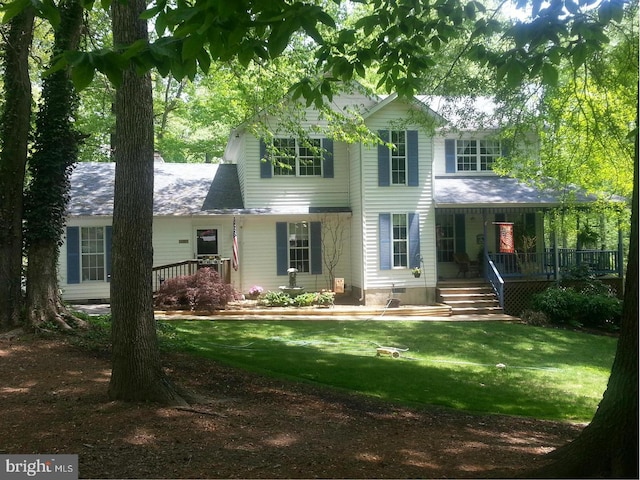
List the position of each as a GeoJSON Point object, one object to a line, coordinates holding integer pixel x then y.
{"type": "Point", "coordinates": [416, 272]}
{"type": "Point", "coordinates": [255, 291]}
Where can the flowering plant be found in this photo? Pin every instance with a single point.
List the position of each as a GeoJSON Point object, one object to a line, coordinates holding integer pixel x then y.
{"type": "Point", "coordinates": [256, 290]}
{"type": "Point", "coordinates": [416, 271]}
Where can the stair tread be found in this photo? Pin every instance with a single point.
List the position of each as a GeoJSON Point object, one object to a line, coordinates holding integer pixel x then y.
{"type": "Point", "coordinates": [476, 298]}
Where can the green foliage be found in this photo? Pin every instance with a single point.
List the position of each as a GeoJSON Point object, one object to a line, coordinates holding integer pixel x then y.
{"type": "Point", "coordinates": [203, 290]}
{"type": "Point", "coordinates": [448, 363]}
{"type": "Point", "coordinates": [56, 142]}
{"type": "Point", "coordinates": [276, 299]}
{"type": "Point", "coordinates": [307, 299]}
{"type": "Point", "coordinates": [580, 300]}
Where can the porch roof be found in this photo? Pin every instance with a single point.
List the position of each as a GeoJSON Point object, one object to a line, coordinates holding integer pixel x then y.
{"type": "Point", "coordinates": [501, 193]}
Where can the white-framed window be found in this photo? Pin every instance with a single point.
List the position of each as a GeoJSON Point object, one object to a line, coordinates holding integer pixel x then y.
{"type": "Point", "coordinates": [296, 157]}
{"type": "Point", "coordinates": [299, 246]}
{"type": "Point", "coordinates": [399, 240]}
{"type": "Point", "coordinates": [92, 254]}
{"type": "Point", "coordinates": [476, 155]}
{"type": "Point", "coordinates": [398, 157]}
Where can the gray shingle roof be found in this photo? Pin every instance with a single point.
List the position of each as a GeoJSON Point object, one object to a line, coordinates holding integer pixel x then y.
{"type": "Point", "coordinates": [491, 190]}
{"type": "Point", "coordinates": [179, 189]}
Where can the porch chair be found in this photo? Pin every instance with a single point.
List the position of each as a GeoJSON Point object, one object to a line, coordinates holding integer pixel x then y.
{"type": "Point", "coordinates": [465, 264]}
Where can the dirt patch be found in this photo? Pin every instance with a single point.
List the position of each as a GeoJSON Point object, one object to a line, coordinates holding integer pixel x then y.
{"type": "Point", "coordinates": [54, 401]}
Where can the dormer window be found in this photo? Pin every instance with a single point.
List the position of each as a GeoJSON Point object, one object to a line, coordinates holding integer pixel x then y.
{"type": "Point", "coordinates": [471, 155]}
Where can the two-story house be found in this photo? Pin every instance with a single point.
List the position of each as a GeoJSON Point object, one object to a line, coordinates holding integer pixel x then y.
{"type": "Point", "coordinates": [367, 214]}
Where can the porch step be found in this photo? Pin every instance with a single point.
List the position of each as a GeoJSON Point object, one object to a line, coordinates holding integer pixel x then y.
{"type": "Point", "coordinates": [469, 298]}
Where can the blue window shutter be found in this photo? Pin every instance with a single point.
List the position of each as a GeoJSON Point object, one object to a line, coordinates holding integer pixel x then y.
{"type": "Point", "coordinates": [282, 248]}
{"type": "Point", "coordinates": [461, 239]}
{"type": "Point", "coordinates": [107, 250]}
{"type": "Point", "coordinates": [450, 155]}
{"type": "Point", "coordinates": [384, 174]}
{"type": "Point", "coordinates": [315, 232]}
{"type": "Point", "coordinates": [414, 240]}
{"type": "Point", "coordinates": [384, 223]}
{"type": "Point", "coordinates": [412, 158]}
{"type": "Point", "coordinates": [265, 166]}
{"type": "Point", "coordinates": [327, 158]}
{"type": "Point", "coordinates": [73, 255]}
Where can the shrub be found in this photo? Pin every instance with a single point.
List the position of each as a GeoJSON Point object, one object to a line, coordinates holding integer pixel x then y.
{"type": "Point", "coordinates": [282, 299]}
{"type": "Point", "coordinates": [203, 290]}
{"type": "Point", "coordinates": [305, 299]}
{"type": "Point", "coordinates": [276, 299]}
{"type": "Point", "coordinates": [565, 305]}
{"type": "Point", "coordinates": [532, 317]}
{"type": "Point", "coordinates": [326, 298]}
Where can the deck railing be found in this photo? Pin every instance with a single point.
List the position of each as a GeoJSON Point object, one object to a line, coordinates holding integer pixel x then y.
{"type": "Point", "coordinates": [161, 273]}
{"type": "Point", "coordinates": [172, 270]}
{"type": "Point", "coordinates": [599, 262]}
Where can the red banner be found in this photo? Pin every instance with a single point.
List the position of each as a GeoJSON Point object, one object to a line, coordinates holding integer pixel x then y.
{"type": "Point", "coordinates": [506, 238]}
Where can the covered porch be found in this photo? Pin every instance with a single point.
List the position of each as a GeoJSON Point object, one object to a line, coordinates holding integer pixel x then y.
{"type": "Point", "coordinates": [504, 231]}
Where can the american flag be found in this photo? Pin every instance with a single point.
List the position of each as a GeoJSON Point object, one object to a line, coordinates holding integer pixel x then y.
{"type": "Point", "coordinates": [234, 261]}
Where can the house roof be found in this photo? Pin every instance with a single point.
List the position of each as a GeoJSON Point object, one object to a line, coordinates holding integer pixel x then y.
{"type": "Point", "coordinates": [179, 189]}
{"type": "Point", "coordinates": [491, 191]}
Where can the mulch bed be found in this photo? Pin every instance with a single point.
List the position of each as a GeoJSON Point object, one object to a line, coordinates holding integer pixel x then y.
{"type": "Point", "coordinates": [53, 398]}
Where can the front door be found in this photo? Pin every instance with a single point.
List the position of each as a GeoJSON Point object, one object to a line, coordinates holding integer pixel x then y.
{"type": "Point", "coordinates": [206, 243]}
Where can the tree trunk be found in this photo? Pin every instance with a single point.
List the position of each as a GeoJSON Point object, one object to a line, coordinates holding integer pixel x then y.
{"type": "Point", "coordinates": [14, 135]}
{"type": "Point", "coordinates": [55, 151]}
{"type": "Point", "coordinates": [43, 298]}
{"type": "Point", "coordinates": [137, 373]}
{"type": "Point", "coordinates": [608, 446]}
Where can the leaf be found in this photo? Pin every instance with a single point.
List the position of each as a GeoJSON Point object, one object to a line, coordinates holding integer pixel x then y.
{"type": "Point", "coordinates": [82, 75]}
{"type": "Point", "coordinates": [14, 8]}
{"type": "Point", "coordinates": [550, 74]}
{"type": "Point", "coordinates": [191, 46]}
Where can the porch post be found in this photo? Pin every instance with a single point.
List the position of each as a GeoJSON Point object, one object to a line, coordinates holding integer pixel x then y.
{"type": "Point", "coordinates": [556, 253]}
{"type": "Point", "coordinates": [485, 247]}
{"type": "Point", "coordinates": [620, 251]}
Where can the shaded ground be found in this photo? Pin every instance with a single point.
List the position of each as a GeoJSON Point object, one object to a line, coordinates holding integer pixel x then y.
{"type": "Point", "coordinates": [53, 400]}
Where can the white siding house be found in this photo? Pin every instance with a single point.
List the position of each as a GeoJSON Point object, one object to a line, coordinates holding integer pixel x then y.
{"type": "Point", "coordinates": [368, 214]}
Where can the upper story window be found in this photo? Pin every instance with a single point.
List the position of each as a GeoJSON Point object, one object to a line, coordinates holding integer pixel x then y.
{"type": "Point", "coordinates": [297, 158]}
{"type": "Point", "coordinates": [471, 155]}
{"type": "Point", "coordinates": [399, 157]}
{"type": "Point", "coordinates": [398, 165]}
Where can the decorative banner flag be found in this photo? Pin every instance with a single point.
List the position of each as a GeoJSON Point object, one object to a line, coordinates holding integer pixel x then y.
{"type": "Point", "coordinates": [234, 261]}
{"type": "Point", "coordinates": [506, 237]}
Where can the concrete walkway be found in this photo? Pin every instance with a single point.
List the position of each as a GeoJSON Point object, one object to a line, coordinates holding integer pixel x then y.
{"type": "Point", "coordinates": [336, 312]}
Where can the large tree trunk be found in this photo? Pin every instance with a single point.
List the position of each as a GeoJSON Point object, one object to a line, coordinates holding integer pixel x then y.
{"type": "Point", "coordinates": [137, 373]}
{"type": "Point", "coordinates": [43, 297]}
{"type": "Point", "coordinates": [608, 446]}
{"type": "Point", "coordinates": [55, 151]}
{"type": "Point", "coordinates": [14, 135]}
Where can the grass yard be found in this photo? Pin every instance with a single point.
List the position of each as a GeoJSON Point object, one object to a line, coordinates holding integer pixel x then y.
{"type": "Point", "coordinates": [549, 374]}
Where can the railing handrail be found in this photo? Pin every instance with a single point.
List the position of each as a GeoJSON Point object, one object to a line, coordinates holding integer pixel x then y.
{"type": "Point", "coordinates": [174, 265]}
{"type": "Point", "coordinates": [495, 279]}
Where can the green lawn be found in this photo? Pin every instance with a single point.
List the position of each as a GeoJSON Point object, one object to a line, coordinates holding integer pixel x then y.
{"type": "Point", "coordinates": [549, 374]}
